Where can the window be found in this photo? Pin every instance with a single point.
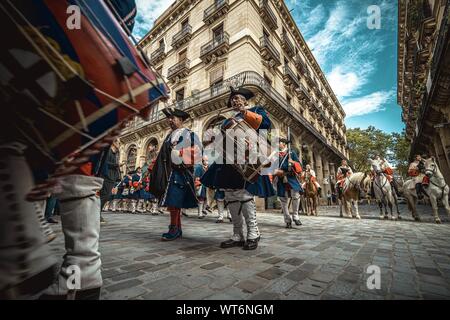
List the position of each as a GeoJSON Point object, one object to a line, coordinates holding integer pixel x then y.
{"type": "Point", "coordinates": [182, 55]}
{"type": "Point", "coordinates": [216, 75]}
{"type": "Point", "coordinates": [184, 24]}
{"type": "Point", "coordinates": [286, 61]}
{"type": "Point", "coordinates": [266, 34]}
{"type": "Point", "coordinates": [179, 95]}
{"type": "Point", "coordinates": [218, 33]}
{"type": "Point", "coordinates": [161, 43]}
{"type": "Point", "coordinates": [179, 98]}
{"type": "Point", "coordinates": [289, 99]}
{"type": "Point", "coordinates": [159, 71]}
{"type": "Point", "coordinates": [131, 159]}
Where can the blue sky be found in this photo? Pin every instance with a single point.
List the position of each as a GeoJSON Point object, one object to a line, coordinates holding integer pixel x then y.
{"type": "Point", "coordinates": [359, 63]}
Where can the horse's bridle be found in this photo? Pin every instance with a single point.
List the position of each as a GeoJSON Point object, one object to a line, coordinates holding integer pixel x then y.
{"type": "Point", "coordinates": [433, 172]}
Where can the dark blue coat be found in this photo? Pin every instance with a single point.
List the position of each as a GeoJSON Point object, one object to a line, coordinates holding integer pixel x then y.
{"type": "Point", "coordinates": [225, 176]}
{"type": "Point", "coordinates": [199, 171]}
{"type": "Point", "coordinates": [180, 190]}
{"type": "Point", "coordinates": [293, 182]}
{"type": "Point", "coordinates": [125, 185]}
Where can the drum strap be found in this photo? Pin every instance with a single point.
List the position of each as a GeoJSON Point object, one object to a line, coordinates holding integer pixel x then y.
{"type": "Point", "coordinates": [241, 202]}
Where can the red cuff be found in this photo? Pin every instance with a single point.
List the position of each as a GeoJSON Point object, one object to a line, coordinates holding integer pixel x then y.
{"type": "Point", "coordinates": [253, 119]}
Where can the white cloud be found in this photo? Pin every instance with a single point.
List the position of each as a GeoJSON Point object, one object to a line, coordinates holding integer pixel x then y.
{"type": "Point", "coordinates": [371, 103]}
{"type": "Point", "coordinates": [148, 11]}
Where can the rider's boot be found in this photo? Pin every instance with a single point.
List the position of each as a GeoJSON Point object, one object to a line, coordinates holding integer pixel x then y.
{"type": "Point", "coordinates": [419, 191]}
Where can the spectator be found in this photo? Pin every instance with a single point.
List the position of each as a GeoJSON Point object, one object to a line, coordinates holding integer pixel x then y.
{"type": "Point", "coordinates": [329, 198]}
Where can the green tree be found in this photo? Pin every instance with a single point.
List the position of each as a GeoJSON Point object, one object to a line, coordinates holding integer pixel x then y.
{"type": "Point", "coordinates": [365, 143]}
{"type": "Point", "coordinates": [400, 150]}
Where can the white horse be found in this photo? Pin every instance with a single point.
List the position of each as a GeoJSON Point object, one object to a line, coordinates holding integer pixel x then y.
{"type": "Point", "coordinates": [350, 194]}
{"type": "Point", "coordinates": [437, 190]}
{"type": "Point", "coordinates": [383, 190]}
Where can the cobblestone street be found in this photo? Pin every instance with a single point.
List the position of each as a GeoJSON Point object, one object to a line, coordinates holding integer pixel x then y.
{"type": "Point", "coordinates": [326, 258]}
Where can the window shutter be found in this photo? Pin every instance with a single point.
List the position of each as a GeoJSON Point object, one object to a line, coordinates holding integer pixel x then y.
{"type": "Point", "coordinates": [216, 75]}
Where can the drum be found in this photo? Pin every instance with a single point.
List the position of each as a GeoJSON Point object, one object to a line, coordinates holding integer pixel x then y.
{"type": "Point", "coordinates": [251, 153]}
{"type": "Point", "coordinates": [69, 82]}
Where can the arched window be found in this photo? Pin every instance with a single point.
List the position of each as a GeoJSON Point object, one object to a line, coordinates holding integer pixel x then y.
{"type": "Point", "coordinates": [131, 159]}
{"type": "Point", "coordinates": [151, 151]}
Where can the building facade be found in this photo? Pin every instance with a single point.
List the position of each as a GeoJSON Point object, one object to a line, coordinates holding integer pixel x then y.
{"type": "Point", "coordinates": [424, 77]}
{"type": "Point", "coordinates": [202, 47]}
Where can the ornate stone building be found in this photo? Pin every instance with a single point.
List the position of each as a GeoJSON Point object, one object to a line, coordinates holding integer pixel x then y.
{"type": "Point", "coordinates": [203, 47]}
{"type": "Point", "coordinates": [424, 77]}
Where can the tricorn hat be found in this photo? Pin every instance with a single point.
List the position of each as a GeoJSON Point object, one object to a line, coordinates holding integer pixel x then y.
{"type": "Point", "coordinates": [174, 112]}
{"type": "Point", "coordinates": [242, 91]}
{"type": "Point", "coordinates": [284, 140]}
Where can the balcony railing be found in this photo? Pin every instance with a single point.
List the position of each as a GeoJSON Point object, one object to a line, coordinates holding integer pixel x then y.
{"type": "Point", "coordinates": [181, 68]}
{"type": "Point", "coordinates": [288, 46]}
{"type": "Point", "coordinates": [267, 14]}
{"type": "Point", "coordinates": [253, 79]}
{"type": "Point", "coordinates": [158, 54]}
{"type": "Point", "coordinates": [300, 64]}
{"type": "Point", "coordinates": [182, 37]}
{"type": "Point", "coordinates": [219, 8]}
{"type": "Point", "coordinates": [289, 77]}
{"type": "Point", "coordinates": [219, 45]}
{"type": "Point", "coordinates": [269, 51]}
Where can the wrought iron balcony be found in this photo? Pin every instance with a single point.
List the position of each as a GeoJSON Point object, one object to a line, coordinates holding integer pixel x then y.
{"type": "Point", "coordinates": [158, 55]}
{"type": "Point", "coordinates": [267, 14]}
{"type": "Point", "coordinates": [182, 37]}
{"type": "Point", "coordinates": [302, 92]}
{"type": "Point", "coordinates": [300, 64]}
{"type": "Point", "coordinates": [180, 70]}
{"type": "Point", "coordinates": [216, 47]}
{"type": "Point", "coordinates": [215, 11]}
{"type": "Point", "coordinates": [287, 46]}
{"type": "Point", "coordinates": [252, 79]}
{"type": "Point", "coordinates": [289, 77]}
{"type": "Point", "coordinates": [269, 52]}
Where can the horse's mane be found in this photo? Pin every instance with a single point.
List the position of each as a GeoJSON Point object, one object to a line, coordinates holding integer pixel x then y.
{"type": "Point", "coordinates": [357, 177]}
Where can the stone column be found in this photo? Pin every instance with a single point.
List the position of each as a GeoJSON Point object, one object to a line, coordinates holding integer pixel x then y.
{"type": "Point", "coordinates": [319, 169]}
{"type": "Point", "coordinates": [326, 174]}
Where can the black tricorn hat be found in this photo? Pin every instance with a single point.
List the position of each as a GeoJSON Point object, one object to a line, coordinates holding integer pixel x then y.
{"type": "Point", "coordinates": [284, 140]}
{"type": "Point", "coordinates": [170, 112]}
{"type": "Point", "coordinates": [247, 94]}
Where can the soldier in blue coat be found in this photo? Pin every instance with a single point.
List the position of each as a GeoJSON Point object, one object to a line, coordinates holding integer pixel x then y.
{"type": "Point", "coordinates": [172, 179]}
{"type": "Point", "coordinates": [135, 192]}
{"type": "Point", "coordinates": [200, 189]}
{"type": "Point", "coordinates": [240, 194]}
{"type": "Point", "coordinates": [288, 184]}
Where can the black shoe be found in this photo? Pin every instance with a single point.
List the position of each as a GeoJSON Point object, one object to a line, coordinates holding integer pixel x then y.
{"type": "Point", "coordinates": [251, 244]}
{"type": "Point", "coordinates": [231, 220]}
{"type": "Point", "coordinates": [201, 217]}
{"type": "Point", "coordinates": [185, 214]}
{"type": "Point", "coordinates": [298, 222]}
{"type": "Point", "coordinates": [50, 220]}
{"type": "Point", "coordinates": [219, 221]}
{"type": "Point", "coordinates": [289, 225]}
{"type": "Point", "coordinates": [231, 243]}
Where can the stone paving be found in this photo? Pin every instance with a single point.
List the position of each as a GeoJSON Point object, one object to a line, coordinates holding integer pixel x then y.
{"type": "Point", "coordinates": [326, 258]}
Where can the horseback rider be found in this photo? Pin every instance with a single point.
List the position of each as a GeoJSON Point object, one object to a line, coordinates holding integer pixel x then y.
{"type": "Point", "coordinates": [388, 172]}
{"type": "Point", "coordinates": [416, 171]}
{"type": "Point", "coordinates": [309, 170]}
{"type": "Point", "coordinates": [343, 172]}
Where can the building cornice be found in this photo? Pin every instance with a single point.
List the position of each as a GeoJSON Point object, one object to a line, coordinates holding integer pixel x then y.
{"type": "Point", "coordinates": [287, 18]}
